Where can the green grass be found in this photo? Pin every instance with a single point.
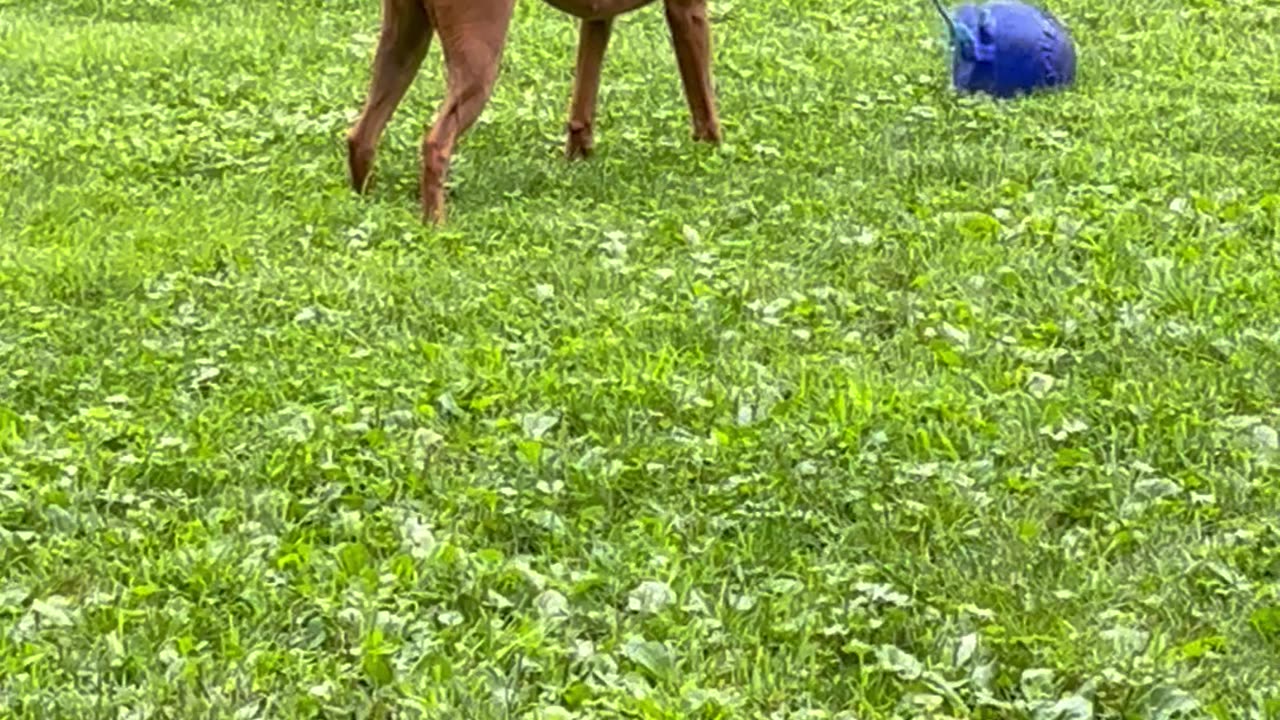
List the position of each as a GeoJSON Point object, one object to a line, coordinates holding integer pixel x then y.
{"type": "Point", "coordinates": [899, 404]}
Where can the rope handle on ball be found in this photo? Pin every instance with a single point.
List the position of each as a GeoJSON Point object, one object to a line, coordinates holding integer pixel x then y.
{"type": "Point", "coordinates": [960, 35]}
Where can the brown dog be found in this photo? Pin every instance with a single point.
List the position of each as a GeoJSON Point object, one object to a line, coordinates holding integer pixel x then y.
{"type": "Point", "coordinates": [473, 33]}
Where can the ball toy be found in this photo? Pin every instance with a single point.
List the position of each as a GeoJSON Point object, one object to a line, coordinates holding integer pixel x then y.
{"type": "Point", "coordinates": [1006, 48]}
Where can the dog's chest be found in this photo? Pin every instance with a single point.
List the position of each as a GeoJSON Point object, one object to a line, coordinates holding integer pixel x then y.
{"type": "Point", "coordinates": [597, 9]}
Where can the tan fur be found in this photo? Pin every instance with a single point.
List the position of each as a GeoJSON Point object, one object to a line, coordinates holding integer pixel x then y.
{"type": "Point", "coordinates": [473, 34]}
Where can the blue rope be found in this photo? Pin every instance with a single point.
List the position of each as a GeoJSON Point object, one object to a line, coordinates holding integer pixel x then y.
{"type": "Point", "coordinates": [960, 35]}
{"type": "Point", "coordinates": [946, 17]}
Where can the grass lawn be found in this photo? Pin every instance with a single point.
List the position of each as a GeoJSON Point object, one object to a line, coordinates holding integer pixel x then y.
{"type": "Point", "coordinates": [897, 405]}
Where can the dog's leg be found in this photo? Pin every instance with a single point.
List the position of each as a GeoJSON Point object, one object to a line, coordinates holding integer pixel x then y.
{"type": "Point", "coordinates": [406, 33]}
{"type": "Point", "coordinates": [472, 35]}
{"type": "Point", "coordinates": [691, 37]}
{"type": "Point", "coordinates": [592, 41]}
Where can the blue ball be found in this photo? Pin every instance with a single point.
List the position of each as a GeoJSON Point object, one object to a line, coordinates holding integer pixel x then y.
{"type": "Point", "coordinates": [1007, 48]}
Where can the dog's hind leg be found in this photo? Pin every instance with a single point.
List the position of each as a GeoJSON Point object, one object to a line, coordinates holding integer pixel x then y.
{"type": "Point", "coordinates": [472, 35]}
{"type": "Point", "coordinates": [405, 36]}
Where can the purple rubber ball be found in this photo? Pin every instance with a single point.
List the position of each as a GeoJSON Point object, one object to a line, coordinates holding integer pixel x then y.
{"type": "Point", "coordinates": [1007, 48]}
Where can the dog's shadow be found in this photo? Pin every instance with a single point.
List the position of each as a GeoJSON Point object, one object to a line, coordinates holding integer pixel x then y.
{"type": "Point", "coordinates": [492, 168]}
